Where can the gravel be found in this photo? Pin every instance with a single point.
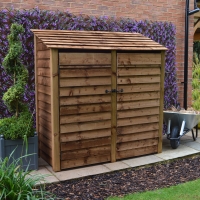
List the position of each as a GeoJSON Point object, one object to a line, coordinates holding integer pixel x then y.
{"type": "Point", "coordinates": [120, 183]}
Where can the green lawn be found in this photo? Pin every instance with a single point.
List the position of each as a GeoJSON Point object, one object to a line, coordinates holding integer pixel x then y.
{"type": "Point", "coordinates": [186, 191]}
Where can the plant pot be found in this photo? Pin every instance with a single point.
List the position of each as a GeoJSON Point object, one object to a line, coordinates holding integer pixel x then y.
{"type": "Point", "coordinates": [18, 147]}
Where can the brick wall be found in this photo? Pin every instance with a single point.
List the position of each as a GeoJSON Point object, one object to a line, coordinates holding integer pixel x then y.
{"type": "Point", "coordinates": [155, 10]}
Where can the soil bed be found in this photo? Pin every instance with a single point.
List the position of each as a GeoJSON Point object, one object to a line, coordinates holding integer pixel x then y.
{"type": "Point", "coordinates": [120, 183]}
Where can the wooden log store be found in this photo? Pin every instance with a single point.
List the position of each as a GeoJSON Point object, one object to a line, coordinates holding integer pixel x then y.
{"type": "Point", "coordinates": [99, 96]}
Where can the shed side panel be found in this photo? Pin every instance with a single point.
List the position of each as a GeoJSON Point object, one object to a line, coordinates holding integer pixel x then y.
{"type": "Point", "coordinates": [43, 100]}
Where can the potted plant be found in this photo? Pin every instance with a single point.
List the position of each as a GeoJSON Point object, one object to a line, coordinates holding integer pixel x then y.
{"type": "Point", "coordinates": [17, 132]}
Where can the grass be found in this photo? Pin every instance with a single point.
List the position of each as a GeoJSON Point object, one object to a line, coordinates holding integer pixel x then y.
{"type": "Point", "coordinates": [185, 191]}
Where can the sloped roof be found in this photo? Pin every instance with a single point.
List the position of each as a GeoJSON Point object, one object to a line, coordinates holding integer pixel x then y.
{"type": "Point", "coordinates": [62, 39]}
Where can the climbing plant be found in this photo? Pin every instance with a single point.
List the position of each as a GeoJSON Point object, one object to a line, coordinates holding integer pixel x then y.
{"type": "Point", "coordinates": [196, 83]}
{"type": "Point", "coordinates": [161, 32]}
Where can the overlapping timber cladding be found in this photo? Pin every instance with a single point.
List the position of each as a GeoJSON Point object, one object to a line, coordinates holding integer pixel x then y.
{"type": "Point", "coordinates": [99, 96]}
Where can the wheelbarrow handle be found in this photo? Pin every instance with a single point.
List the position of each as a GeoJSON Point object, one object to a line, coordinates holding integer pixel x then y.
{"type": "Point", "coordinates": [168, 126]}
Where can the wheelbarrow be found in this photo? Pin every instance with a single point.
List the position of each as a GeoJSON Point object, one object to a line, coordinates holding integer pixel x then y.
{"type": "Point", "coordinates": [178, 124]}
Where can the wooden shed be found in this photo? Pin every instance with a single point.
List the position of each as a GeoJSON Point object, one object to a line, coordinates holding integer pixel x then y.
{"type": "Point", "coordinates": [99, 96]}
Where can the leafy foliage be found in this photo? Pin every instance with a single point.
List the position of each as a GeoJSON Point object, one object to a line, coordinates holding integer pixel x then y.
{"type": "Point", "coordinates": [20, 125]}
{"type": "Point", "coordinates": [16, 184]}
{"type": "Point", "coordinates": [162, 32]}
{"type": "Point", "coordinates": [17, 127]}
{"type": "Point", "coordinates": [196, 83]}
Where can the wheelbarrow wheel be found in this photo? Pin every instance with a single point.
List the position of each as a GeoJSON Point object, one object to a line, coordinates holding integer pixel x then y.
{"type": "Point", "coordinates": [174, 134]}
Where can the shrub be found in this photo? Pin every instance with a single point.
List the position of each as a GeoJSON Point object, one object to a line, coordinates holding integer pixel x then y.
{"type": "Point", "coordinates": [19, 125]}
{"type": "Point", "coordinates": [196, 83]}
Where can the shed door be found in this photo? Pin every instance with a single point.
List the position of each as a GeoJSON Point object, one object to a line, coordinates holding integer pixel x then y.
{"type": "Point", "coordinates": [138, 105]}
{"type": "Point", "coordinates": [85, 108]}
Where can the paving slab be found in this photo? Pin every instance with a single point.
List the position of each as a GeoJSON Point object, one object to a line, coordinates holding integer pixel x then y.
{"type": "Point", "coordinates": [48, 176]}
{"type": "Point", "coordinates": [93, 170]}
{"type": "Point", "coordinates": [65, 175]}
{"type": "Point", "coordinates": [181, 151]}
{"type": "Point", "coordinates": [116, 166]}
{"type": "Point", "coordinates": [144, 160]}
{"type": "Point", "coordinates": [194, 145]}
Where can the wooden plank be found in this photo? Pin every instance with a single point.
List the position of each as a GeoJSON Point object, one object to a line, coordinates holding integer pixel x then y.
{"type": "Point", "coordinates": [42, 63]}
{"type": "Point", "coordinates": [55, 110]}
{"type": "Point", "coordinates": [127, 71]}
{"type": "Point", "coordinates": [93, 108]}
{"type": "Point", "coordinates": [140, 66]}
{"type": "Point", "coordinates": [45, 132]}
{"type": "Point", "coordinates": [45, 148]}
{"type": "Point", "coordinates": [62, 67]}
{"type": "Point", "coordinates": [45, 54]}
{"type": "Point", "coordinates": [44, 97]}
{"type": "Point", "coordinates": [80, 153]}
{"type": "Point", "coordinates": [44, 72]}
{"type": "Point", "coordinates": [138, 112]}
{"type": "Point", "coordinates": [84, 161]}
{"type": "Point", "coordinates": [137, 96]}
{"type": "Point", "coordinates": [44, 81]}
{"type": "Point", "coordinates": [44, 115]}
{"type": "Point", "coordinates": [137, 128]}
{"type": "Point", "coordinates": [105, 98]}
{"type": "Point", "coordinates": [106, 43]}
{"type": "Point", "coordinates": [47, 143]}
{"type": "Point", "coordinates": [69, 73]}
{"type": "Point", "coordinates": [82, 144]}
{"type": "Point", "coordinates": [41, 46]}
{"type": "Point", "coordinates": [46, 157]}
{"type": "Point", "coordinates": [138, 79]}
{"type": "Point", "coordinates": [90, 46]}
{"type": "Point", "coordinates": [106, 40]}
{"type": "Point", "coordinates": [84, 117]}
{"type": "Point", "coordinates": [44, 106]}
{"type": "Point", "coordinates": [138, 120]}
{"type": "Point", "coordinates": [44, 123]}
{"type": "Point", "coordinates": [97, 41]}
{"type": "Point", "coordinates": [67, 137]}
{"type": "Point", "coordinates": [137, 144]}
{"type": "Point", "coordinates": [136, 152]}
{"type": "Point", "coordinates": [44, 89]}
{"type": "Point", "coordinates": [137, 136]}
{"type": "Point", "coordinates": [137, 104]}
{"type": "Point", "coordinates": [79, 91]}
{"type": "Point", "coordinates": [81, 58]}
{"type": "Point", "coordinates": [36, 84]}
{"type": "Point", "coordinates": [138, 58]}
{"type": "Point", "coordinates": [73, 82]}
{"type": "Point", "coordinates": [140, 88]}
{"type": "Point", "coordinates": [114, 106]}
{"type": "Point", "coordinates": [76, 127]}
{"type": "Point", "coordinates": [161, 101]}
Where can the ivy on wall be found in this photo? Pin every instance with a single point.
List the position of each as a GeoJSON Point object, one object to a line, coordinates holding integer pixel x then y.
{"type": "Point", "coordinates": [161, 32]}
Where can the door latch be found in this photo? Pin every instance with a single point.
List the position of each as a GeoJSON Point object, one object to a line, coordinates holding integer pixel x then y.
{"type": "Point", "coordinates": [114, 90]}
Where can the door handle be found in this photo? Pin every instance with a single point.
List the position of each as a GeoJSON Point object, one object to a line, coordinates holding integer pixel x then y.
{"type": "Point", "coordinates": [114, 90]}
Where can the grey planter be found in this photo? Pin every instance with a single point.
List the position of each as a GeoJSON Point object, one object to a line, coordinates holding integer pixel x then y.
{"type": "Point", "coordinates": [8, 146]}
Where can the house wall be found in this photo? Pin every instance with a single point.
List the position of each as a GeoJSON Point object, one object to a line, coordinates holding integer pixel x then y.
{"type": "Point", "coordinates": [155, 10]}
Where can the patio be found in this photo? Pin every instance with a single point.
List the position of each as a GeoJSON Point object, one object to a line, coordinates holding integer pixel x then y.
{"type": "Point", "coordinates": [187, 147]}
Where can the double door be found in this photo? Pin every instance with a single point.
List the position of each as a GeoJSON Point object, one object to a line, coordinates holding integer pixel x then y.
{"type": "Point", "coordinates": [109, 106]}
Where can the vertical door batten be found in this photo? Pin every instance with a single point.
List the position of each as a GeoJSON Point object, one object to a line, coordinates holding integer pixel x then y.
{"type": "Point", "coordinates": [55, 110]}
{"type": "Point", "coordinates": [114, 105]}
{"type": "Point", "coordinates": [161, 100]}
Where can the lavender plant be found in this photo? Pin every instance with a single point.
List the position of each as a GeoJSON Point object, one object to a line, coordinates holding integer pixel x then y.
{"type": "Point", "coordinates": [162, 32]}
